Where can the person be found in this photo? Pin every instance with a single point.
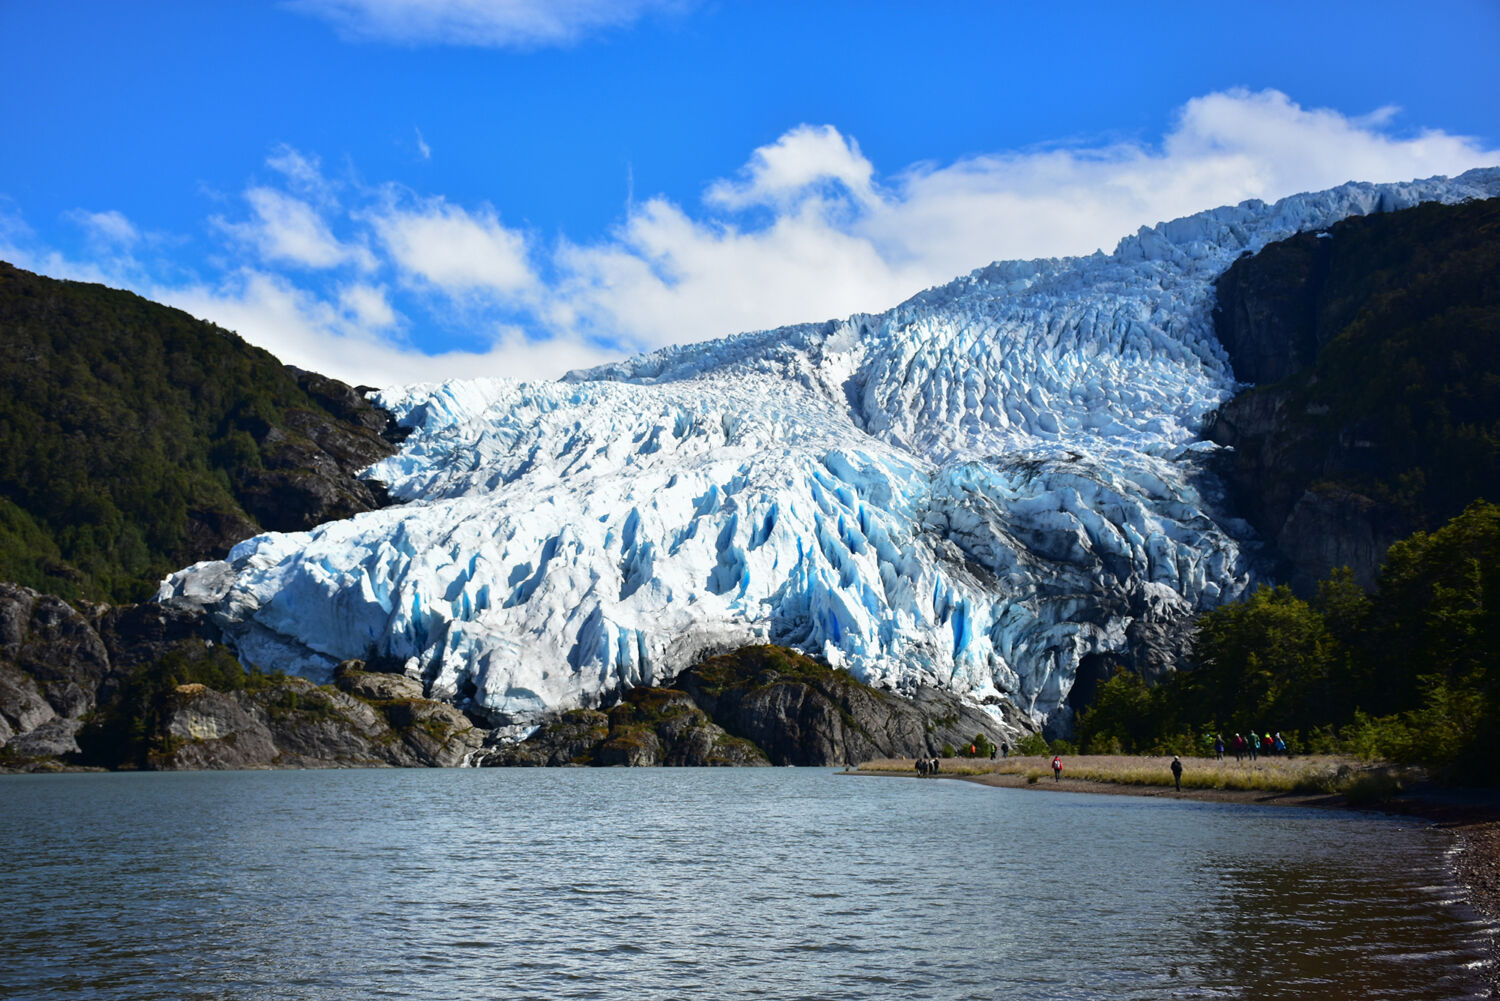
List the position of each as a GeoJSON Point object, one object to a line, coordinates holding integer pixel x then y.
{"type": "Point", "coordinates": [936, 766]}
{"type": "Point", "coordinates": [1252, 745]}
{"type": "Point", "coordinates": [1004, 750]}
{"type": "Point", "coordinates": [993, 749]}
{"type": "Point", "coordinates": [1057, 767]}
{"type": "Point", "coordinates": [1219, 746]}
{"type": "Point", "coordinates": [1281, 747]}
{"type": "Point", "coordinates": [1177, 772]}
{"type": "Point", "coordinates": [1239, 747]}
{"type": "Point", "coordinates": [1267, 746]}
{"type": "Point", "coordinates": [922, 766]}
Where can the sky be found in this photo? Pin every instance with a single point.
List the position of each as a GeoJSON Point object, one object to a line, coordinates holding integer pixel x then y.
{"type": "Point", "coordinates": [389, 191]}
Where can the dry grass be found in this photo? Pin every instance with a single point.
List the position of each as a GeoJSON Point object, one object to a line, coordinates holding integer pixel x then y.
{"type": "Point", "coordinates": [1321, 773]}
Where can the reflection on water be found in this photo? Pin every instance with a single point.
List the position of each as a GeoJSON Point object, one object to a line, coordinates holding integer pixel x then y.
{"type": "Point", "coordinates": [1400, 944]}
{"type": "Point", "coordinates": [754, 883]}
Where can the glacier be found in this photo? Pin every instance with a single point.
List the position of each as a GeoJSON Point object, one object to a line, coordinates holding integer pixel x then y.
{"type": "Point", "coordinates": [976, 489]}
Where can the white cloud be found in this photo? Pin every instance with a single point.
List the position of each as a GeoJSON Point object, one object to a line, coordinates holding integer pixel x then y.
{"type": "Point", "coordinates": [455, 250]}
{"type": "Point", "coordinates": [806, 158]}
{"type": "Point", "coordinates": [368, 306]}
{"type": "Point", "coordinates": [840, 241]}
{"type": "Point", "coordinates": [422, 147]}
{"type": "Point", "coordinates": [302, 330]}
{"type": "Point", "coordinates": [110, 228]}
{"type": "Point", "coordinates": [289, 230]}
{"type": "Point", "coordinates": [486, 23]}
{"type": "Point", "coordinates": [304, 173]}
{"type": "Point", "coordinates": [806, 230]}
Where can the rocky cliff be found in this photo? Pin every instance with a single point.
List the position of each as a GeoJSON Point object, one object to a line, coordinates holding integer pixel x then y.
{"type": "Point", "coordinates": [756, 706]}
{"type": "Point", "coordinates": [1375, 349]}
{"type": "Point", "coordinates": [123, 687]}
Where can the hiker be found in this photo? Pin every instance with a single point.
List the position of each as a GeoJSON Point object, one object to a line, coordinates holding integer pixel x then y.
{"type": "Point", "coordinates": [1004, 750]}
{"type": "Point", "coordinates": [1239, 748]}
{"type": "Point", "coordinates": [1057, 767]}
{"type": "Point", "coordinates": [1219, 746]}
{"type": "Point", "coordinates": [1177, 771]}
{"type": "Point", "coordinates": [936, 765]}
{"type": "Point", "coordinates": [1281, 746]}
{"type": "Point", "coordinates": [1252, 746]}
{"type": "Point", "coordinates": [993, 750]}
{"type": "Point", "coordinates": [1267, 746]}
{"type": "Point", "coordinates": [921, 766]}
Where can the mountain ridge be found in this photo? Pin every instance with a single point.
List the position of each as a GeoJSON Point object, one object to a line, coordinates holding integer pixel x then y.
{"type": "Point", "coordinates": [1024, 487]}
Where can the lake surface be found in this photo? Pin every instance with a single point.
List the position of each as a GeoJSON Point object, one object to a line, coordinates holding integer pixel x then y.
{"type": "Point", "coordinates": [713, 883]}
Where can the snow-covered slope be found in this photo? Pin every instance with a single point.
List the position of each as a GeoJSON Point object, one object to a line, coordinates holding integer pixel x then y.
{"type": "Point", "coordinates": [977, 488]}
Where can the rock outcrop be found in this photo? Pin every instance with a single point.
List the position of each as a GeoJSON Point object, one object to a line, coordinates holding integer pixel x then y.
{"type": "Point", "coordinates": [77, 683]}
{"type": "Point", "coordinates": [1373, 346]}
{"type": "Point", "coordinates": [761, 705]}
{"type": "Point", "coordinates": [295, 724]}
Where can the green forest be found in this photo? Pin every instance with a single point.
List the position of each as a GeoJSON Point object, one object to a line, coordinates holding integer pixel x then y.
{"type": "Point", "coordinates": [1407, 673]}
{"type": "Point", "coordinates": [131, 437]}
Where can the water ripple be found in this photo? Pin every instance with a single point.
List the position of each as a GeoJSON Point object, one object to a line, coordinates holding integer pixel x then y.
{"type": "Point", "coordinates": [776, 883]}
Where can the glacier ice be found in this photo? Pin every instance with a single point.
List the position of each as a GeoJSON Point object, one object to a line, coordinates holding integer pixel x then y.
{"type": "Point", "coordinates": [975, 489]}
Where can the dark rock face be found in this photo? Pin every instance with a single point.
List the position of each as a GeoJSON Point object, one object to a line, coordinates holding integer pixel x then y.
{"type": "Point", "coordinates": [296, 724]}
{"type": "Point", "coordinates": [650, 726]}
{"type": "Point", "coordinates": [52, 665]}
{"type": "Point", "coordinates": [311, 468]}
{"type": "Point", "coordinates": [1267, 313]}
{"type": "Point", "coordinates": [759, 705]}
{"type": "Point", "coordinates": [58, 665]}
{"type": "Point", "coordinates": [1374, 351]}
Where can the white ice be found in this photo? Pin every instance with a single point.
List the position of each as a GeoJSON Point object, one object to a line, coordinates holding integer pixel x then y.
{"type": "Point", "coordinates": [976, 489]}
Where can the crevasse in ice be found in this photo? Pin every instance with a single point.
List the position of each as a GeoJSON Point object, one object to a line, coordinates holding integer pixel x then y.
{"type": "Point", "coordinates": [975, 489]}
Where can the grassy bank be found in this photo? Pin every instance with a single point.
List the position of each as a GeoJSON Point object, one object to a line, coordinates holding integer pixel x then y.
{"type": "Point", "coordinates": [1311, 774]}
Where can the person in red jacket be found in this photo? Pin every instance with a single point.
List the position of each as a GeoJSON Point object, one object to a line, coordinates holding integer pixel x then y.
{"type": "Point", "coordinates": [1057, 767]}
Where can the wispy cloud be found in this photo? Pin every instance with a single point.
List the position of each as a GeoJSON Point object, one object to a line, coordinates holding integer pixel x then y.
{"type": "Point", "coordinates": [348, 277]}
{"type": "Point", "coordinates": [110, 228]}
{"type": "Point", "coordinates": [513, 24]}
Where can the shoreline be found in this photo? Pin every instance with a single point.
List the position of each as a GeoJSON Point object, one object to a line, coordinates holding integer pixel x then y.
{"type": "Point", "coordinates": [1470, 817]}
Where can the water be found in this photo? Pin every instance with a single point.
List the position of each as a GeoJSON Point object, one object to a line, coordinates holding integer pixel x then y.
{"type": "Point", "coordinates": [667, 883]}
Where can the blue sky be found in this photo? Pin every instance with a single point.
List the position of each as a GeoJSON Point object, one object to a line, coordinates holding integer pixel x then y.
{"type": "Point", "coordinates": [395, 189]}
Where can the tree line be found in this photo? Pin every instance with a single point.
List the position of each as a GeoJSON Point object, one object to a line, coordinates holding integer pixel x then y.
{"type": "Point", "coordinates": [1406, 673]}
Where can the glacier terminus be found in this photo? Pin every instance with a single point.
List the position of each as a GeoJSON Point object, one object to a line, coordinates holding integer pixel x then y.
{"type": "Point", "coordinates": [978, 489]}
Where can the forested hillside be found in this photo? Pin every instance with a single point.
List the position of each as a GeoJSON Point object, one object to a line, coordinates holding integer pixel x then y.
{"type": "Point", "coordinates": [1375, 347]}
{"type": "Point", "coordinates": [135, 439]}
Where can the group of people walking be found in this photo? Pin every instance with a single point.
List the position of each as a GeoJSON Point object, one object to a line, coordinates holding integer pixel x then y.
{"type": "Point", "coordinates": [1256, 745]}
{"type": "Point", "coordinates": [928, 766]}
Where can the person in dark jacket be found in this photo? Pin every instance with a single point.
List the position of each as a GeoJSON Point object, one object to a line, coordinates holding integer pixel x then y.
{"type": "Point", "coordinates": [1177, 772]}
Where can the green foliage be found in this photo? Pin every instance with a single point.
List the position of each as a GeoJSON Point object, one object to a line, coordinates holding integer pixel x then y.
{"type": "Point", "coordinates": [1032, 744]}
{"type": "Point", "coordinates": [1404, 675]}
{"type": "Point", "coordinates": [982, 746]}
{"type": "Point", "coordinates": [1401, 404]}
{"type": "Point", "coordinates": [1267, 658]}
{"type": "Point", "coordinates": [132, 726]}
{"type": "Point", "coordinates": [753, 667]}
{"type": "Point", "coordinates": [129, 433]}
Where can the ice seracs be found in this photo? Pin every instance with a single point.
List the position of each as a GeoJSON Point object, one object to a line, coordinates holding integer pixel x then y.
{"type": "Point", "coordinates": [977, 489]}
